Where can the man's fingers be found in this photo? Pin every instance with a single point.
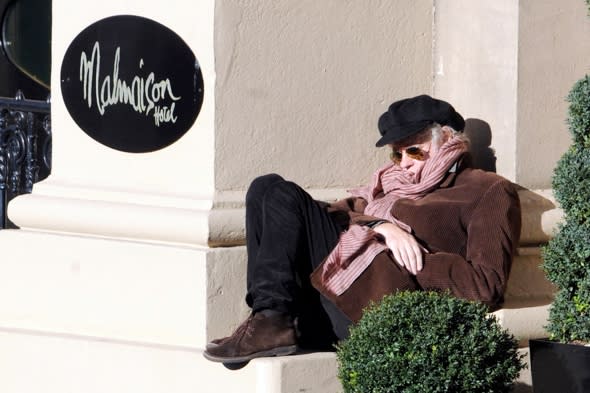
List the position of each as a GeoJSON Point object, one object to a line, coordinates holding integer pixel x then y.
{"type": "Point", "coordinates": [409, 262]}
{"type": "Point", "coordinates": [419, 258]}
{"type": "Point", "coordinates": [402, 259]}
{"type": "Point", "coordinates": [406, 251]}
{"type": "Point", "coordinates": [397, 256]}
{"type": "Point", "coordinates": [408, 257]}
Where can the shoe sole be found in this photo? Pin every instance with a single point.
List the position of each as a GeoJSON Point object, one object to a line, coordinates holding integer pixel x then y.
{"type": "Point", "coordinates": [235, 366]}
{"type": "Point", "coordinates": [279, 351]}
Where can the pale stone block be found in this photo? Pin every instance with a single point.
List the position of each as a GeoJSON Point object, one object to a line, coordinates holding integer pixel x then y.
{"type": "Point", "coordinates": [527, 279]}
{"type": "Point", "coordinates": [123, 290]}
{"type": "Point", "coordinates": [524, 382]}
{"type": "Point", "coordinates": [52, 363]}
{"type": "Point", "coordinates": [524, 318]}
{"type": "Point", "coordinates": [33, 363]}
{"type": "Point", "coordinates": [540, 216]}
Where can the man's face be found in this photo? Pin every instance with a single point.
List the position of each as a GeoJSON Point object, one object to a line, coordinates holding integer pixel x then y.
{"type": "Point", "coordinates": [413, 156]}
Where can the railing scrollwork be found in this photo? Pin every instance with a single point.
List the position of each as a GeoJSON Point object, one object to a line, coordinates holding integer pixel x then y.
{"type": "Point", "coordinates": [25, 147]}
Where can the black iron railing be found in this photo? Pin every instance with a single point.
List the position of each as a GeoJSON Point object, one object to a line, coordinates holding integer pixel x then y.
{"type": "Point", "coordinates": [25, 147]}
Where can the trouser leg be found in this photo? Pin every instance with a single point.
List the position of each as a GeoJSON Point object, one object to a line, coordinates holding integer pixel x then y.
{"type": "Point", "coordinates": [288, 233]}
{"type": "Point", "coordinates": [254, 223]}
{"type": "Point", "coordinates": [286, 229]}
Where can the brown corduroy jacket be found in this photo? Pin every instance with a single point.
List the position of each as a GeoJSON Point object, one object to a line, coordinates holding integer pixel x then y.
{"type": "Point", "coordinates": [470, 225]}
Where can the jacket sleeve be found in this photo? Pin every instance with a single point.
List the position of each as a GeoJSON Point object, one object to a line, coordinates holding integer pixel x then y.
{"type": "Point", "coordinates": [493, 232]}
{"type": "Point", "coordinates": [348, 205]}
{"type": "Point", "coordinates": [353, 208]}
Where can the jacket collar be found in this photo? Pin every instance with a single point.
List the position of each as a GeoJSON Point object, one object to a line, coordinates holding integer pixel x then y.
{"type": "Point", "coordinates": [463, 162]}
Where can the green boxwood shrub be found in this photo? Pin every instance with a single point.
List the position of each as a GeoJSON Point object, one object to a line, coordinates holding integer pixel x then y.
{"type": "Point", "coordinates": [567, 256]}
{"type": "Point", "coordinates": [571, 184]}
{"type": "Point", "coordinates": [579, 112]}
{"type": "Point", "coordinates": [427, 342]}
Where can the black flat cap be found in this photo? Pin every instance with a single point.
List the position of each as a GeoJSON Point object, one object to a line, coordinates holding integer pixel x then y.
{"type": "Point", "coordinates": [409, 116]}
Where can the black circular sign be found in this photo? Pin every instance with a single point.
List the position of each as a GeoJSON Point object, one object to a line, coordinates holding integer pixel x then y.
{"type": "Point", "coordinates": [131, 83]}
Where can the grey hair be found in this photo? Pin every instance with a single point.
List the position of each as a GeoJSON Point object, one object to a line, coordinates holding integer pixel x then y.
{"type": "Point", "coordinates": [437, 131]}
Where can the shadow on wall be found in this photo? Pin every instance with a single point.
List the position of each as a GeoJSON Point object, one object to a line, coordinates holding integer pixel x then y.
{"type": "Point", "coordinates": [480, 136]}
{"type": "Point", "coordinates": [540, 215]}
{"type": "Point", "coordinates": [522, 388]}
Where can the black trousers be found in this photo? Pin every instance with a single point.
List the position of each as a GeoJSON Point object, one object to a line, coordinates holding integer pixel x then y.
{"type": "Point", "coordinates": [288, 234]}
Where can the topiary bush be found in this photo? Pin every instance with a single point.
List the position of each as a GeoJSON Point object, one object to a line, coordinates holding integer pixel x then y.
{"type": "Point", "coordinates": [427, 342]}
{"type": "Point", "coordinates": [567, 256]}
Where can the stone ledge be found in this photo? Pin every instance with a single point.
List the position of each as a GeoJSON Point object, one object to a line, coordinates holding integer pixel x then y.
{"type": "Point", "coordinates": [527, 279]}
{"type": "Point", "coordinates": [540, 215]}
{"type": "Point", "coordinates": [159, 293]}
{"type": "Point", "coordinates": [524, 318]}
{"type": "Point", "coordinates": [212, 221]}
{"type": "Point", "coordinates": [115, 214]}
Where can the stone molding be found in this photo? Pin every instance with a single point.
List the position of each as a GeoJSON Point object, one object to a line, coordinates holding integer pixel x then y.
{"type": "Point", "coordinates": [124, 215]}
{"type": "Point", "coordinates": [196, 221]}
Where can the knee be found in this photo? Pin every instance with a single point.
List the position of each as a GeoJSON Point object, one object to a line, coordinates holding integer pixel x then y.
{"type": "Point", "coordinates": [284, 193]}
{"type": "Point", "coordinates": [260, 185]}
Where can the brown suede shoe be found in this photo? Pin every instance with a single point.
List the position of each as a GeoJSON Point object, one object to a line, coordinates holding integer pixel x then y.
{"type": "Point", "coordinates": [215, 343]}
{"type": "Point", "coordinates": [258, 336]}
{"type": "Point", "coordinates": [240, 330]}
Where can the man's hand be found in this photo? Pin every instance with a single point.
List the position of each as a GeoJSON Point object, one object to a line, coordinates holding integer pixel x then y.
{"type": "Point", "coordinates": [406, 250]}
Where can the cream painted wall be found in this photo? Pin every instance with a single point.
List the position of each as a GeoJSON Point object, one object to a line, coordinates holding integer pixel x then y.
{"type": "Point", "coordinates": [288, 86]}
{"type": "Point", "coordinates": [511, 64]}
{"type": "Point", "coordinates": [475, 64]}
{"type": "Point", "coordinates": [296, 87]}
{"type": "Point", "coordinates": [301, 83]}
{"type": "Point", "coordinates": [184, 169]}
{"type": "Point", "coordinates": [162, 196]}
{"type": "Point", "coordinates": [554, 52]}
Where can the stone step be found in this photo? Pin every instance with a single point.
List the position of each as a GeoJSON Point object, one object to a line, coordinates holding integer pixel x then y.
{"type": "Point", "coordinates": [124, 290]}
{"type": "Point", "coordinates": [32, 362]}
{"type": "Point", "coordinates": [163, 294]}
{"type": "Point", "coordinates": [524, 318]}
{"type": "Point", "coordinates": [97, 315]}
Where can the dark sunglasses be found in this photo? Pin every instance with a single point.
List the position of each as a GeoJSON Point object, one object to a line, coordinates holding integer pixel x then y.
{"type": "Point", "coordinates": [413, 152]}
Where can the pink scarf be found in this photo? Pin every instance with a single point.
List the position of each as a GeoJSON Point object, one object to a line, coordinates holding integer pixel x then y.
{"type": "Point", "coordinates": [359, 245]}
{"type": "Point", "coordinates": [391, 182]}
